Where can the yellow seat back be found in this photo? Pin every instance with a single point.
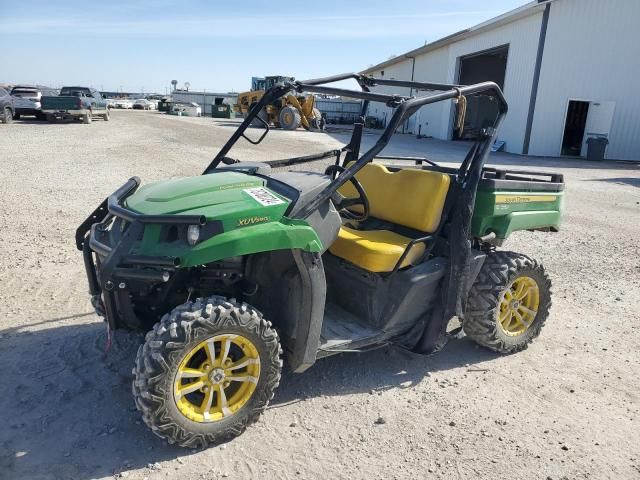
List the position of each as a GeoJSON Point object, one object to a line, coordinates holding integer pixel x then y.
{"type": "Point", "coordinates": [409, 197]}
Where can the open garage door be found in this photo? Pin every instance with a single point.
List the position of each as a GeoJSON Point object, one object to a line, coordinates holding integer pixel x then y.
{"type": "Point", "coordinates": [485, 66]}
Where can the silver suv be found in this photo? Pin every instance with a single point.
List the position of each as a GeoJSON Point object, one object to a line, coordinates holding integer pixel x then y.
{"type": "Point", "coordinates": [26, 100]}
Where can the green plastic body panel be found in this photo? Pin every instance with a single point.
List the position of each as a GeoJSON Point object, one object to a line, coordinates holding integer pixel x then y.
{"type": "Point", "coordinates": [503, 212]}
{"type": "Point", "coordinates": [252, 217]}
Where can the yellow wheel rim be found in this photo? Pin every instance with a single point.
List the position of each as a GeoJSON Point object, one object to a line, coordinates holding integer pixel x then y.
{"type": "Point", "coordinates": [518, 306]}
{"type": "Point", "coordinates": [287, 117]}
{"type": "Point", "coordinates": [216, 378]}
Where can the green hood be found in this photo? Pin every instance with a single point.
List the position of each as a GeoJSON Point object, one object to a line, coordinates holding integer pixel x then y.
{"type": "Point", "coordinates": [252, 217]}
{"type": "Point", "coordinates": [235, 198]}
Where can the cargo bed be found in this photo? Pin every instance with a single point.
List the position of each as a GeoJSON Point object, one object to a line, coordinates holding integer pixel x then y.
{"type": "Point", "coordinates": [510, 200]}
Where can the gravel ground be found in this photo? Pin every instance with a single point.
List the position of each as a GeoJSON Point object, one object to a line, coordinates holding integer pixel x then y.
{"type": "Point", "coordinates": [565, 408]}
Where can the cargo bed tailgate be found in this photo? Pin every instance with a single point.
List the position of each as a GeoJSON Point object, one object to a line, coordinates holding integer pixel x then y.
{"type": "Point", "coordinates": [511, 200]}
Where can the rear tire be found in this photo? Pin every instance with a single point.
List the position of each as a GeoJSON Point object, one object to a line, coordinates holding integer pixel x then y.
{"type": "Point", "coordinates": [86, 118]}
{"type": "Point", "coordinates": [7, 116]}
{"type": "Point", "coordinates": [501, 317]}
{"type": "Point", "coordinates": [167, 359]}
{"type": "Point", "coordinates": [289, 118]}
{"type": "Point", "coordinates": [51, 118]}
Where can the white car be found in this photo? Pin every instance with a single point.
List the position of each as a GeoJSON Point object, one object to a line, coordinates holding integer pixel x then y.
{"type": "Point", "coordinates": [187, 109]}
{"type": "Point", "coordinates": [123, 103]}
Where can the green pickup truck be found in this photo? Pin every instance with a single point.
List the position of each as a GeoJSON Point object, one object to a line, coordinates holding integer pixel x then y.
{"type": "Point", "coordinates": [75, 103]}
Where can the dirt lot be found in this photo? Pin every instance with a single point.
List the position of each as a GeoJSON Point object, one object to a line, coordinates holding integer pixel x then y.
{"type": "Point", "coordinates": [565, 408]}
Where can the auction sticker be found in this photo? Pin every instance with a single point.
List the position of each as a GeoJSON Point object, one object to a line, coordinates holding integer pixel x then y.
{"type": "Point", "coordinates": [263, 196]}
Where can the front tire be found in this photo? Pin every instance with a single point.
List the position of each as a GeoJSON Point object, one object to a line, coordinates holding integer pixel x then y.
{"type": "Point", "coordinates": [206, 371]}
{"type": "Point", "coordinates": [107, 116]}
{"type": "Point", "coordinates": [289, 118]}
{"type": "Point", "coordinates": [508, 303]}
{"type": "Point", "coordinates": [86, 118]}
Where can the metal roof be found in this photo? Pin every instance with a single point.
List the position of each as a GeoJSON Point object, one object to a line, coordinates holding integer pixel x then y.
{"type": "Point", "coordinates": [207, 93]}
{"type": "Point", "coordinates": [526, 10]}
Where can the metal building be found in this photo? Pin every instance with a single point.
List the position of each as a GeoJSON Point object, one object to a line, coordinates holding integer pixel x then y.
{"type": "Point", "coordinates": [204, 99]}
{"type": "Point", "coordinates": [567, 68]}
{"type": "Point", "coordinates": [339, 110]}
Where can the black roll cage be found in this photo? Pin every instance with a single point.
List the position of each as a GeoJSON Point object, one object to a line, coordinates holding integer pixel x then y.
{"type": "Point", "coordinates": [468, 175]}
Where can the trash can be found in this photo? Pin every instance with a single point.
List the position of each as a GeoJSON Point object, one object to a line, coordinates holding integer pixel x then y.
{"type": "Point", "coordinates": [596, 147]}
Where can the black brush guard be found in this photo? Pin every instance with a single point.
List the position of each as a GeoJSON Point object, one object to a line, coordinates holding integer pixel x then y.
{"type": "Point", "coordinates": [113, 267]}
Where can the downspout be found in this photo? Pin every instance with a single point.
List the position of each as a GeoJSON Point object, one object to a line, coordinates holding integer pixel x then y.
{"type": "Point", "coordinates": [536, 79]}
{"type": "Point", "coordinates": [413, 69]}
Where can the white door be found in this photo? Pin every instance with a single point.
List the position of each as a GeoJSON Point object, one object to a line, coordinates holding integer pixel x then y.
{"type": "Point", "coordinates": [599, 120]}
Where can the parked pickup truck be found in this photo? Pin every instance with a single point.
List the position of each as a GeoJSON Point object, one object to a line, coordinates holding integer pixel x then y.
{"type": "Point", "coordinates": [79, 103]}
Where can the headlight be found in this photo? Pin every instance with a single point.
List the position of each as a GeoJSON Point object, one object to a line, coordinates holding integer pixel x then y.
{"type": "Point", "coordinates": [193, 234]}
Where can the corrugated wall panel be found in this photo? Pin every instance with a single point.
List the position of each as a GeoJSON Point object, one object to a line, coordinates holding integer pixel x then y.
{"type": "Point", "coordinates": [522, 37]}
{"type": "Point", "coordinates": [432, 67]}
{"type": "Point", "coordinates": [592, 53]}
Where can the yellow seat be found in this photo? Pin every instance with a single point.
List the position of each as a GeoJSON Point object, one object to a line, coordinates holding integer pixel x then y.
{"type": "Point", "coordinates": [374, 250]}
{"type": "Point", "coordinates": [410, 197]}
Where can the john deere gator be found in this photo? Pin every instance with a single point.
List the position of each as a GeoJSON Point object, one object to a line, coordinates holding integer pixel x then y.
{"type": "Point", "coordinates": [247, 265]}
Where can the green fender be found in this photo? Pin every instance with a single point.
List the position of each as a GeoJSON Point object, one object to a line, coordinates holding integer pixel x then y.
{"type": "Point", "coordinates": [284, 234]}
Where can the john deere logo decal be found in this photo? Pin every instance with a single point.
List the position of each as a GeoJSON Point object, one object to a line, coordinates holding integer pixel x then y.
{"type": "Point", "coordinates": [525, 199]}
{"type": "Point", "coordinates": [243, 222]}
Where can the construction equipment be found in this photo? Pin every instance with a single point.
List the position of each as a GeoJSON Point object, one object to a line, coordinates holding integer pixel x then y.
{"type": "Point", "coordinates": [227, 269]}
{"type": "Point", "coordinates": [289, 112]}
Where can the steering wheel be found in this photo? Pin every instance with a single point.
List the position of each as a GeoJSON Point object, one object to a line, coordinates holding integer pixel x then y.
{"type": "Point", "coordinates": [343, 203]}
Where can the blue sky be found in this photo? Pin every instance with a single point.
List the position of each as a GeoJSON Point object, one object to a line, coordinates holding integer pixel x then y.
{"type": "Point", "coordinates": [216, 45]}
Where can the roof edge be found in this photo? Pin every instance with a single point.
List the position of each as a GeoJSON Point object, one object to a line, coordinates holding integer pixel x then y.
{"type": "Point", "coordinates": [523, 11]}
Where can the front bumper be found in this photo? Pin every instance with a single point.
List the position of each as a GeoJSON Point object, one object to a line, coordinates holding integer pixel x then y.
{"type": "Point", "coordinates": [112, 265]}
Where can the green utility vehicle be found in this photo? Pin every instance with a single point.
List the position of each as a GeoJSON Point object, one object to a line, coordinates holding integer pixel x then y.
{"type": "Point", "coordinates": [234, 270]}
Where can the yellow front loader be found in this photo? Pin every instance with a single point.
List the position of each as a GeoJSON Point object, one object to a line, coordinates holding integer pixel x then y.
{"type": "Point", "coordinates": [289, 112]}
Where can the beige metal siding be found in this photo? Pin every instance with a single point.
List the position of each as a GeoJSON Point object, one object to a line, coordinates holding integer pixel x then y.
{"type": "Point", "coordinates": [592, 53]}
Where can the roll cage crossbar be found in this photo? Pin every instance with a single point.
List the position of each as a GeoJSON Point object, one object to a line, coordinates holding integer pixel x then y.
{"type": "Point", "coordinates": [469, 173]}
